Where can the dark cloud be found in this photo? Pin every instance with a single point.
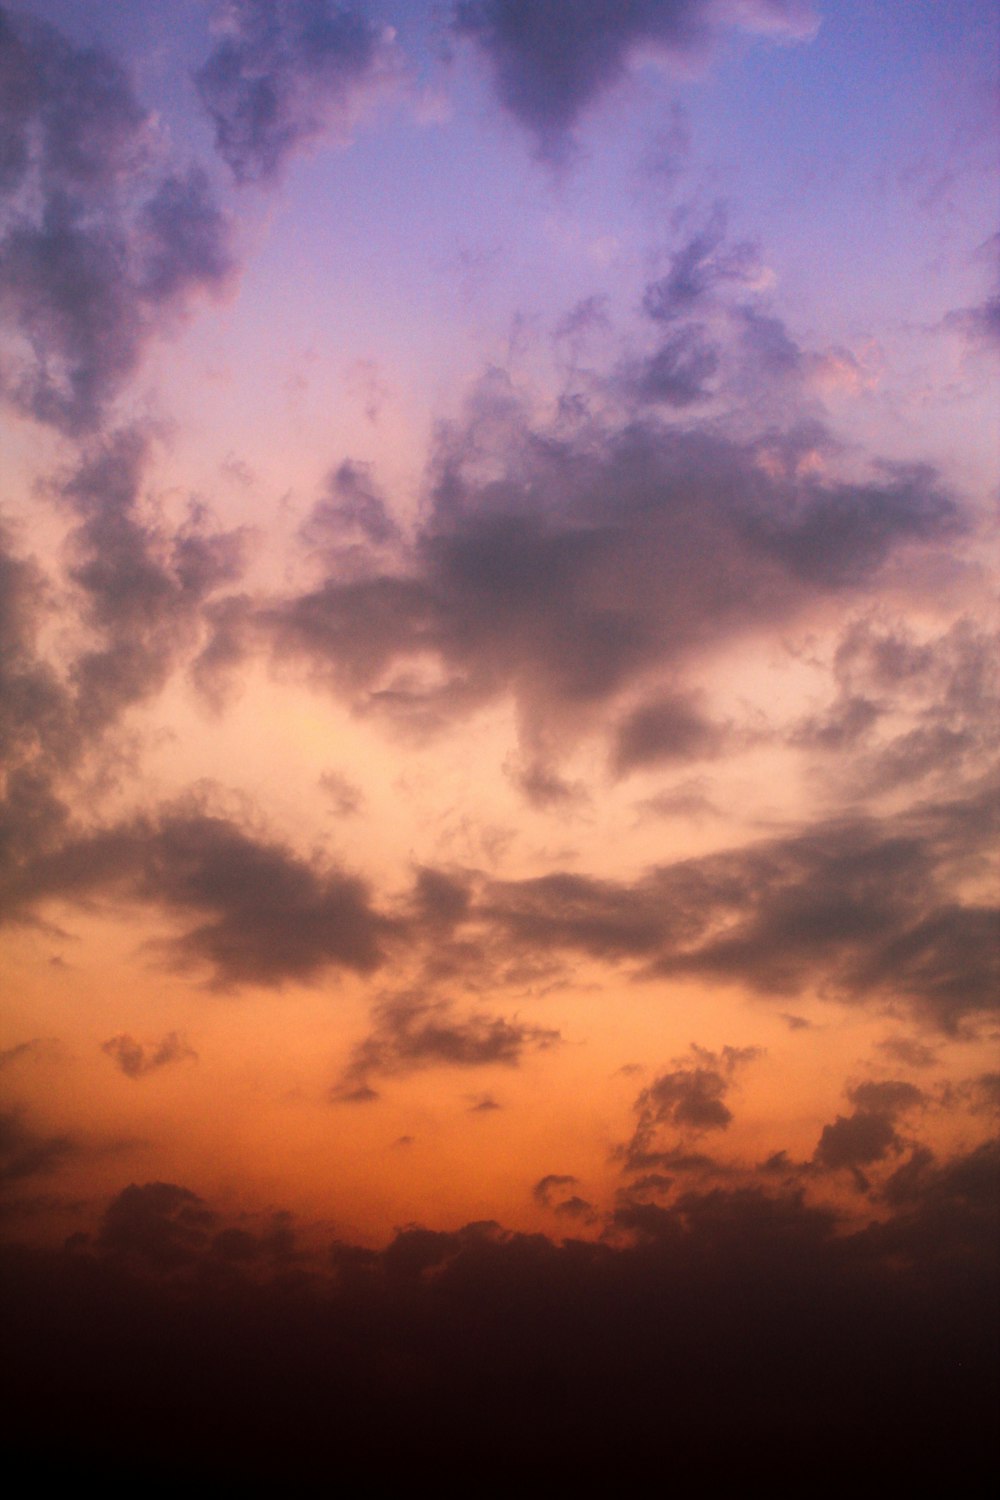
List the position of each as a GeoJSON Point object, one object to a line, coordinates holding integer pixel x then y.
{"type": "Point", "coordinates": [545, 1187]}
{"type": "Point", "coordinates": [483, 1104]}
{"type": "Point", "coordinates": [347, 798]}
{"type": "Point", "coordinates": [283, 74]}
{"type": "Point", "coordinates": [564, 567]}
{"type": "Point", "coordinates": [26, 1153]}
{"type": "Point", "coordinates": [137, 1061]}
{"type": "Point", "coordinates": [157, 1224]}
{"type": "Point", "coordinates": [260, 914]}
{"type": "Point", "coordinates": [677, 374]}
{"type": "Point", "coordinates": [858, 910]}
{"type": "Point", "coordinates": [869, 1135]}
{"type": "Point", "coordinates": [129, 607]}
{"type": "Point", "coordinates": [141, 583]}
{"type": "Point", "coordinates": [857, 1140]}
{"type": "Point", "coordinates": [688, 1100]}
{"type": "Point", "coordinates": [663, 730]}
{"type": "Point", "coordinates": [411, 1031]}
{"type": "Point", "coordinates": [549, 67]}
{"type": "Point", "coordinates": [725, 1326]}
{"type": "Point", "coordinates": [101, 247]}
{"type": "Point", "coordinates": [943, 692]}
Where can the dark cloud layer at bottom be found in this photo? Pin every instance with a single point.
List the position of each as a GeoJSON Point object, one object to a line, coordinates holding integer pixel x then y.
{"type": "Point", "coordinates": [738, 1334]}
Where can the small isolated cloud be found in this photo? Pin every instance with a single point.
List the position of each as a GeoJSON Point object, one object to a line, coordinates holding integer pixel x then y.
{"type": "Point", "coordinates": [412, 1032]}
{"type": "Point", "coordinates": [545, 1187]}
{"type": "Point", "coordinates": [481, 1104]}
{"type": "Point", "coordinates": [137, 1061]}
{"type": "Point", "coordinates": [286, 73]}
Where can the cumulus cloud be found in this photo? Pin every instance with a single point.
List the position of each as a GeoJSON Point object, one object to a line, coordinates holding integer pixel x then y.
{"type": "Point", "coordinates": [564, 567]}
{"type": "Point", "coordinates": [548, 72]}
{"type": "Point", "coordinates": [285, 73]}
{"type": "Point", "coordinates": [102, 245]}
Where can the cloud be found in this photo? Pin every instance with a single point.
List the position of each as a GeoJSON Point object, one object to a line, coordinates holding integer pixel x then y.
{"type": "Point", "coordinates": [564, 566]}
{"type": "Point", "coordinates": [703, 262]}
{"type": "Point", "coordinates": [286, 73]}
{"type": "Point", "coordinates": [141, 584]}
{"type": "Point", "coordinates": [548, 69]}
{"type": "Point", "coordinates": [38, 1047]}
{"type": "Point", "coordinates": [688, 1100]}
{"type": "Point", "coordinates": [412, 1032]}
{"type": "Point", "coordinates": [858, 910]}
{"type": "Point", "coordinates": [157, 1224]}
{"type": "Point", "coordinates": [691, 1328]}
{"type": "Point", "coordinates": [544, 1187]}
{"type": "Point", "coordinates": [663, 730]}
{"type": "Point", "coordinates": [257, 913]}
{"type": "Point", "coordinates": [102, 245]}
{"type": "Point", "coordinates": [138, 1061]}
{"type": "Point", "coordinates": [26, 1153]}
{"type": "Point", "coordinates": [869, 1135]}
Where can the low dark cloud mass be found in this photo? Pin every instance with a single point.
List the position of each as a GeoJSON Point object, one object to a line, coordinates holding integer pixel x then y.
{"type": "Point", "coordinates": [102, 245]}
{"type": "Point", "coordinates": [745, 1331]}
{"type": "Point", "coordinates": [549, 68]}
{"type": "Point", "coordinates": [137, 1060]}
{"type": "Point", "coordinates": [283, 74]}
{"type": "Point", "coordinates": [413, 1031]}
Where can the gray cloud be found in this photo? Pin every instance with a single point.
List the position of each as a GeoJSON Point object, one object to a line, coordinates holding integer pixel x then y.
{"type": "Point", "coordinates": [663, 730]}
{"type": "Point", "coordinates": [703, 263]}
{"type": "Point", "coordinates": [259, 913]}
{"type": "Point", "coordinates": [285, 73]}
{"type": "Point", "coordinates": [100, 247]}
{"type": "Point", "coordinates": [688, 1100]}
{"type": "Point", "coordinates": [549, 67]}
{"type": "Point", "coordinates": [858, 910]}
{"type": "Point", "coordinates": [411, 1032]}
{"type": "Point", "coordinates": [564, 567]}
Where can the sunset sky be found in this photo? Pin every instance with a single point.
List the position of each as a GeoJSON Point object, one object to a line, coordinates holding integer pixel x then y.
{"type": "Point", "coordinates": [498, 686]}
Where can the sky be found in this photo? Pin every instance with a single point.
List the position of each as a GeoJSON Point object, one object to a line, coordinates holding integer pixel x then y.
{"type": "Point", "coordinates": [498, 707]}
